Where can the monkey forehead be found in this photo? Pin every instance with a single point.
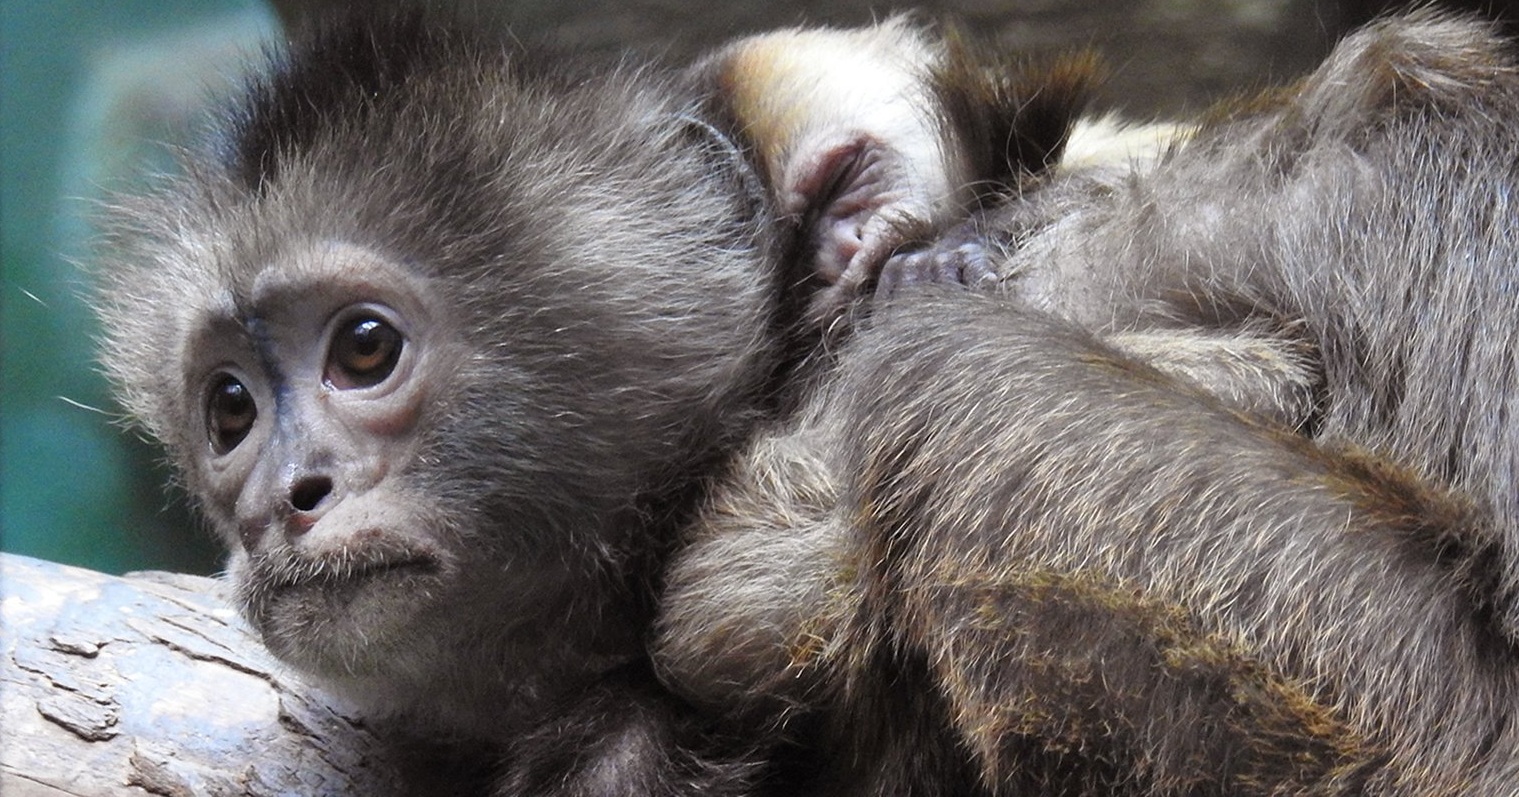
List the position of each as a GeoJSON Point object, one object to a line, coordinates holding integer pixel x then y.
{"type": "Point", "coordinates": [289, 296]}
{"type": "Point", "coordinates": [336, 274]}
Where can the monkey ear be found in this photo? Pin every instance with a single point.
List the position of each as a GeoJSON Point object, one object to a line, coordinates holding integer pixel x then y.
{"type": "Point", "coordinates": [858, 206]}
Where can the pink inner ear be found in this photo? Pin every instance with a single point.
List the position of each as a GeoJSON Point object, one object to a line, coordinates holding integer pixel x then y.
{"type": "Point", "coordinates": [845, 195]}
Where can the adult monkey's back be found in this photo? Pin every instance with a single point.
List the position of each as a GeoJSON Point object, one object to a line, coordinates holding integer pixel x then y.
{"type": "Point", "coordinates": [1001, 553]}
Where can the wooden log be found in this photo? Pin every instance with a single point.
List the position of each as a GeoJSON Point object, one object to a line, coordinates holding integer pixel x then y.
{"type": "Point", "coordinates": [151, 684]}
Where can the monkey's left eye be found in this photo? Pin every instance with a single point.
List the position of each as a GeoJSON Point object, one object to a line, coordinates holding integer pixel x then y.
{"type": "Point", "coordinates": [363, 352]}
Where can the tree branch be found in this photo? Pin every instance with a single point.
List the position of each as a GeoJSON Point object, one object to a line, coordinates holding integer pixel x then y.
{"type": "Point", "coordinates": [151, 684]}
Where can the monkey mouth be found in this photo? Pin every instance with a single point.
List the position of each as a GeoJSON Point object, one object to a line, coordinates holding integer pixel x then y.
{"type": "Point", "coordinates": [375, 570]}
{"type": "Point", "coordinates": [339, 578]}
{"type": "Point", "coordinates": [341, 574]}
{"type": "Point", "coordinates": [328, 614]}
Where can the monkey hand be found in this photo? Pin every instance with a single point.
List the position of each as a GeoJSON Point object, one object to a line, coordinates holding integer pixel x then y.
{"type": "Point", "coordinates": [960, 256]}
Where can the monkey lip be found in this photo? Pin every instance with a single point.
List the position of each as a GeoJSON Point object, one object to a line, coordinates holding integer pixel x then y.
{"type": "Point", "coordinates": [338, 595]}
{"type": "Point", "coordinates": [417, 566]}
{"type": "Point", "coordinates": [343, 573]}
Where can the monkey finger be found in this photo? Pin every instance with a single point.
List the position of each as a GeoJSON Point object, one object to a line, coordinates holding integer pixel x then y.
{"type": "Point", "coordinates": [973, 264]}
{"type": "Point", "coordinates": [902, 269]}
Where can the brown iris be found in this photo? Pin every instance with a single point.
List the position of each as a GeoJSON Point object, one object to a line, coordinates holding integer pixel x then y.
{"type": "Point", "coordinates": [363, 352]}
{"type": "Point", "coordinates": [230, 413]}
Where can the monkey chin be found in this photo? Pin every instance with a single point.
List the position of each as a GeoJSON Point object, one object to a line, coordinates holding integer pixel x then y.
{"type": "Point", "coordinates": [332, 605]}
{"type": "Point", "coordinates": [335, 620]}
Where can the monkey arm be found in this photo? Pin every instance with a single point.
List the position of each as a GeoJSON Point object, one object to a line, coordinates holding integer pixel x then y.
{"type": "Point", "coordinates": [1000, 458]}
{"type": "Point", "coordinates": [1268, 374]}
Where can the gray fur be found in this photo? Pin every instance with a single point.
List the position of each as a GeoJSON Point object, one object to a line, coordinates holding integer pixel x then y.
{"type": "Point", "coordinates": [599, 300]}
{"type": "Point", "coordinates": [1369, 207]}
{"type": "Point", "coordinates": [1263, 374]}
{"type": "Point", "coordinates": [992, 554]}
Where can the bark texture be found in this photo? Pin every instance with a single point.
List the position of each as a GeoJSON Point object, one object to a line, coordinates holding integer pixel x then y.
{"type": "Point", "coordinates": [150, 684]}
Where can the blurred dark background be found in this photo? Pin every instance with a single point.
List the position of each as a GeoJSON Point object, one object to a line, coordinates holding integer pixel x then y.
{"type": "Point", "coordinates": [92, 94]}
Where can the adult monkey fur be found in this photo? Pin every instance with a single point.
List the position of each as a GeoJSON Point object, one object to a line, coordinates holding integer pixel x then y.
{"type": "Point", "coordinates": [448, 341]}
{"type": "Point", "coordinates": [997, 554]}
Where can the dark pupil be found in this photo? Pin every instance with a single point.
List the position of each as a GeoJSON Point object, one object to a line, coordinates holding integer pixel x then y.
{"type": "Point", "coordinates": [369, 340]}
{"type": "Point", "coordinates": [364, 353]}
{"type": "Point", "coordinates": [231, 413]}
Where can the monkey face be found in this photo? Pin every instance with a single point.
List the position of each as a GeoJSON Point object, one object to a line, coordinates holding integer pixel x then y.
{"type": "Point", "coordinates": [440, 357]}
{"type": "Point", "coordinates": [308, 387]}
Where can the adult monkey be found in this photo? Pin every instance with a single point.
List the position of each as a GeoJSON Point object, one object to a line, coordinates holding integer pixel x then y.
{"type": "Point", "coordinates": [999, 554]}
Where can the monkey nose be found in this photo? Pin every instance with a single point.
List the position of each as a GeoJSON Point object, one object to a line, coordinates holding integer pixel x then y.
{"type": "Point", "coordinates": [309, 493]}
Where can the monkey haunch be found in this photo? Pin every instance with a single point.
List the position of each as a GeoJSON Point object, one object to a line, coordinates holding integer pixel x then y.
{"type": "Point", "coordinates": [998, 551]}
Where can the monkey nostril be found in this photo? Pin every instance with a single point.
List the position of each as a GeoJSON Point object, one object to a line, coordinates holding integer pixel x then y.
{"type": "Point", "coordinates": [309, 493]}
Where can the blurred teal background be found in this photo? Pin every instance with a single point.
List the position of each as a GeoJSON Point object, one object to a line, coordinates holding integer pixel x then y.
{"type": "Point", "coordinates": [89, 93]}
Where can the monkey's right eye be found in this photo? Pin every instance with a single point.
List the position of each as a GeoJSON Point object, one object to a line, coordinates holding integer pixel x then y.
{"type": "Point", "coordinates": [230, 412]}
{"type": "Point", "coordinates": [364, 352]}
